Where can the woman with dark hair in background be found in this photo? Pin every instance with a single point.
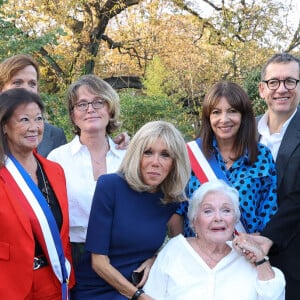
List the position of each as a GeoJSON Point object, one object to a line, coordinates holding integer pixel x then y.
{"type": "Point", "coordinates": [227, 147]}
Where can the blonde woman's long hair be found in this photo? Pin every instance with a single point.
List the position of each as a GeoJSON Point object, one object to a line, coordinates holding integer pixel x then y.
{"type": "Point", "coordinates": [174, 184]}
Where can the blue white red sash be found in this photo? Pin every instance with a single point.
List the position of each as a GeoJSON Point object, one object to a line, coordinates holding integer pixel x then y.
{"type": "Point", "coordinates": [45, 226]}
{"type": "Point", "coordinates": [204, 169]}
{"type": "Point", "coordinates": [207, 169]}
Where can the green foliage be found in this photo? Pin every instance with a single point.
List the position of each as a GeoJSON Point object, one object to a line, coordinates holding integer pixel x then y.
{"type": "Point", "coordinates": [185, 52]}
{"type": "Point", "coordinates": [57, 113]}
{"type": "Point", "coordinates": [155, 77]}
{"type": "Point", "coordinates": [251, 86]}
{"type": "Point", "coordinates": [14, 40]}
{"type": "Point", "coordinates": [136, 110]}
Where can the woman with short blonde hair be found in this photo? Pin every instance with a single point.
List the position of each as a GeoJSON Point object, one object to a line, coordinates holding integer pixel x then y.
{"type": "Point", "coordinates": [174, 184]}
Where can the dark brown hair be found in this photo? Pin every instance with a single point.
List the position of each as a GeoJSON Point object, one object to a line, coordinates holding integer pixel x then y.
{"type": "Point", "coordinates": [10, 100]}
{"type": "Point", "coordinates": [239, 100]}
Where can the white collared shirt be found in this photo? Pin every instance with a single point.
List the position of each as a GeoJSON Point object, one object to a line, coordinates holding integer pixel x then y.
{"type": "Point", "coordinates": [180, 273]}
{"type": "Point", "coordinates": [272, 141]}
{"type": "Point", "coordinates": [75, 159]}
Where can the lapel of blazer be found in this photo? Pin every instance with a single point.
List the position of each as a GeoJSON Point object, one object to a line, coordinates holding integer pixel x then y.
{"type": "Point", "coordinates": [290, 141]}
{"type": "Point", "coordinates": [13, 193]}
{"type": "Point", "coordinates": [46, 140]}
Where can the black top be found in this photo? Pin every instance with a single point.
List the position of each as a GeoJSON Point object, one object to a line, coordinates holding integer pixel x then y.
{"type": "Point", "coordinates": [52, 201]}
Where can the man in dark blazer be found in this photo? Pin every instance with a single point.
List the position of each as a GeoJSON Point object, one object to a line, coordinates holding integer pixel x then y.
{"type": "Point", "coordinates": [53, 137]}
{"type": "Point", "coordinates": [279, 129]}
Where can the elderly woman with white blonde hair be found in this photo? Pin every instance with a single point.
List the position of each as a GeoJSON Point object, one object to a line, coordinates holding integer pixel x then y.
{"type": "Point", "coordinates": [209, 265]}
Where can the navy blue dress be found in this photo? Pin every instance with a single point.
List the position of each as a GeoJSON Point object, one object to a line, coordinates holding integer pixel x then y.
{"type": "Point", "coordinates": [127, 226]}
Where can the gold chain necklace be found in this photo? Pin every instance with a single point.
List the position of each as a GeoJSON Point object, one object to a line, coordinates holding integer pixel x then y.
{"type": "Point", "coordinates": [45, 188]}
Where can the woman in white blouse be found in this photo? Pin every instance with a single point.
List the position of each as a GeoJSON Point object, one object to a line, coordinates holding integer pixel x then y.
{"type": "Point", "coordinates": [94, 110]}
{"type": "Point", "coordinates": [208, 266]}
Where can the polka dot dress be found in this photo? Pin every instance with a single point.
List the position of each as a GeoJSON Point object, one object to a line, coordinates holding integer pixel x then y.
{"type": "Point", "coordinates": [256, 184]}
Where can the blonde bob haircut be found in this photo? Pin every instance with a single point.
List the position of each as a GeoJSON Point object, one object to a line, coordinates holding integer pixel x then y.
{"type": "Point", "coordinates": [100, 88]}
{"type": "Point", "coordinates": [209, 187]}
{"type": "Point", "coordinates": [174, 184]}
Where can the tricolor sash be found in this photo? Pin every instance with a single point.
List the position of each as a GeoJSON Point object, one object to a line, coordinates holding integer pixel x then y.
{"type": "Point", "coordinates": [43, 222]}
{"type": "Point", "coordinates": [204, 169]}
{"type": "Point", "coordinates": [207, 169]}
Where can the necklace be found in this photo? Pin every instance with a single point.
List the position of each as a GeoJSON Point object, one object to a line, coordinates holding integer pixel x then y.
{"type": "Point", "coordinates": [31, 171]}
{"type": "Point", "coordinates": [44, 189]}
{"type": "Point", "coordinates": [226, 161]}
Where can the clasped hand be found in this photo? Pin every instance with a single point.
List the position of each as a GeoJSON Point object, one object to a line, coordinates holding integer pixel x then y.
{"type": "Point", "coordinates": [250, 246]}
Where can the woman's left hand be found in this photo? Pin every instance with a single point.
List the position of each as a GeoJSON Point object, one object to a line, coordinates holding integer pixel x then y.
{"type": "Point", "coordinates": [145, 266]}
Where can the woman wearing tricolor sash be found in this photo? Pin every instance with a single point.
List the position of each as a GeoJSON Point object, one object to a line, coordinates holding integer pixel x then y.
{"type": "Point", "coordinates": [226, 148]}
{"type": "Point", "coordinates": [35, 259]}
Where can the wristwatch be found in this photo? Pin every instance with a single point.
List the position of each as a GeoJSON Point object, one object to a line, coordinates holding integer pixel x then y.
{"type": "Point", "coordinates": [137, 294]}
{"type": "Point", "coordinates": [260, 262]}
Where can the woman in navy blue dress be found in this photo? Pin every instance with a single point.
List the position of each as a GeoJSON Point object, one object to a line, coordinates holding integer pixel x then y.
{"type": "Point", "coordinates": [130, 214]}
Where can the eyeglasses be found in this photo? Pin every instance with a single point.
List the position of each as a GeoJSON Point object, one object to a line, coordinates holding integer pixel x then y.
{"type": "Point", "coordinates": [83, 105]}
{"type": "Point", "coordinates": [289, 83]}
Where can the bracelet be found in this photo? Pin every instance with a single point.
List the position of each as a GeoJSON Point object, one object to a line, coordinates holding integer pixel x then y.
{"type": "Point", "coordinates": [260, 262]}
{"type": "Point", "coordinates": [137, 294]}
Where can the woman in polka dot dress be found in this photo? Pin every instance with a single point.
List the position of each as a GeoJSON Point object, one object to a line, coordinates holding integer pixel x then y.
{"type": "Point", "coordinates": [228, 132]}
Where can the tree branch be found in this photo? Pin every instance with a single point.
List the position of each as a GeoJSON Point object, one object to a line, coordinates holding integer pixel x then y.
{"type": "Point", "coordinates": [295, 41]}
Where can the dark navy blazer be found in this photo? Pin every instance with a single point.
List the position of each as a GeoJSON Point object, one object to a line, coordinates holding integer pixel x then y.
{"type": "Point", "coordinates": [53, 137]}
{"type": "Point", "coordinates": [284, 227]}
